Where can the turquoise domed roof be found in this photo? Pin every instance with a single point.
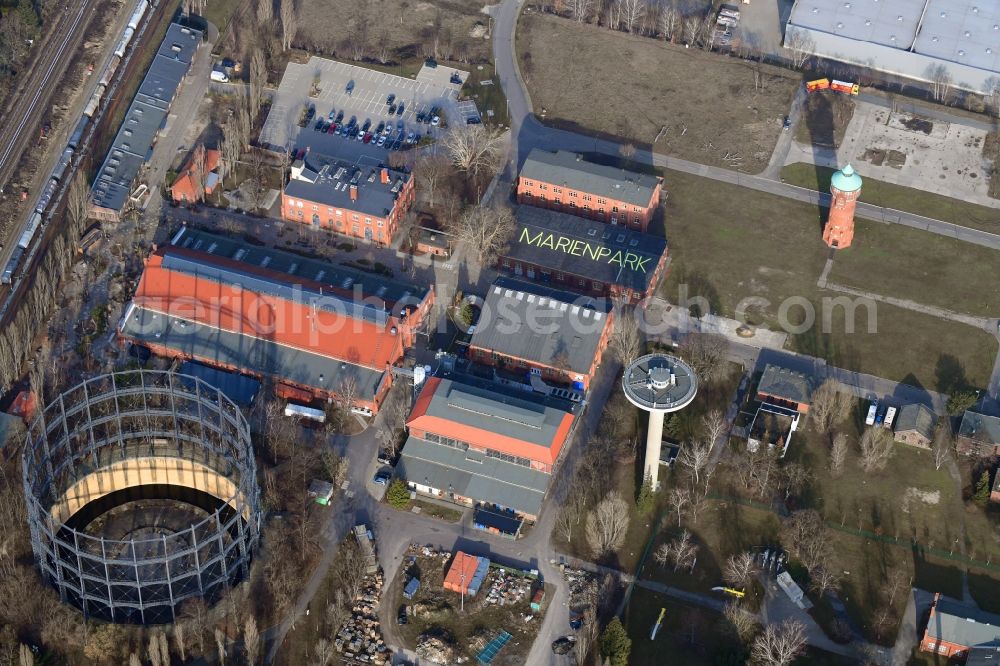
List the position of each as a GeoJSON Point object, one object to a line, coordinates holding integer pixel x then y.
{"type": "Point", "coordinates": [846, 180]}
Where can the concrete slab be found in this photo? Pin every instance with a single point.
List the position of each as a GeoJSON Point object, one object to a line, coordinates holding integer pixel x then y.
{"type": "Point", "coordinates": [358, 92]}
{"type": "Point", "coordinates": [930, 155]}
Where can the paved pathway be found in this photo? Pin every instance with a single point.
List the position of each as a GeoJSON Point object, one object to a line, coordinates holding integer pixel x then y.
{"type": "Point", "coordinates": [987, 324]}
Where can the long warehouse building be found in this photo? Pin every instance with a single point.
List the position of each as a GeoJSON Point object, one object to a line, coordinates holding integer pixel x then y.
{"type": "Point", "coordinates": [320, 331]}
{"type": "Point", "coordinates": [147, 115]}
{"type": "Point", "coordinates": [924, 40]}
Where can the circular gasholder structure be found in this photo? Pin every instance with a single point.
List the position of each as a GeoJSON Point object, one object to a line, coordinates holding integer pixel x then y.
{"type": "Point", "coordinates": [141, 493]}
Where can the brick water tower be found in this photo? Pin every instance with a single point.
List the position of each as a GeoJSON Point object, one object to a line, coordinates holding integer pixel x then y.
{"type": "Point", "coordinates": [845, 188]}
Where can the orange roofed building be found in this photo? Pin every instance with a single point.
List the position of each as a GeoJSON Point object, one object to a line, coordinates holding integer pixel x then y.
{"type": "Point", "coordinates": [476, 441]}
{"type": "Point", "coordinates": [185, 187]}
{"type": "Point", "coordinates": [317, 329]}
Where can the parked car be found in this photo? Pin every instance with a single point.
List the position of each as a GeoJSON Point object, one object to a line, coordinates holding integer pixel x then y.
{"type": "Point", "coordinates": [368, 137]}
{"type": "Point", "coordinates": [400, 109]}
{"type": "Point", "coordinates": [368, 123]}
{"type": "Point", "coordinates": [350, 86]}
{"type": "Point", "coordinates": [340, 116]}
{"type": "Point", "coordinates": [384, 457]}
{"type": "Point", "coordinates": [310, 113]}
{"type": "Point", "coordinates": [788, 123]}
{"type": "Point", "coordinates": [435, 121]}
{"type": "Point", "coordinates": [380, 127]}
{"type": "Point", "coordinates": [319, 125]}
{"type": "Point", "coordinates": [399, 126]}
{"type": "Point", "coordinates": [409, 138]}
{"type": "Point", "coordinates": [332, 115]}
{"type": "Point", "coordinates": [392, 109]}
{"type": "Point", "coordinates": [361, 135]}
{"type": "Point", "coordinates": [381, 478]}
{"type": "Point", "coordinates": [420, 116]}
{"type": "Point", "coordinates": [401, 616]}
{"type": "Point", "coordinates": [390, 99]}
{"type": "Point", "coordinates": [397, 144]}
{"type": "Point", "coordinates": [381, 141]}
{"type": "Point", "coordinates": [331, 128]}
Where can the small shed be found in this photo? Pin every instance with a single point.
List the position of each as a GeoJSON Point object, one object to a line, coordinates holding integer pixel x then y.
{"type": "Point", "coordinates": [321, 491]}
{"type": "Point", "coordinates": [537, 598]}
{"type": "Point", "coordinates": [411, 587]}
{"type": "Point", "coordinates": [500, 522]}
{"type": "Point", "coordinates": [430, 241]}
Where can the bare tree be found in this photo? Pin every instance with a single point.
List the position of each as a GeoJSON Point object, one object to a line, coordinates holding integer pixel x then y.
{"type": "Point", "coordinates": [632, 12]}
{"type": "Point", "coordinates": [779, 644]}
{"type": "Point", "coordinates": [876, 449]}
{"type": "Point", "coordinates": [942, 445]}
{"type": "Point", "coordinates": [714, 425]}
{"type": "Point", "coordinates": [941, 82]}
{"type": "Point", "coordinates": [179, 641]}
{"type": "Point", "coordinates": [607, 524]}
{"type": "Point", "coordinates": [258, 80]}
{"type": "Point", "coordinates": [566, 519]}
{"type": "Point", "coordinates": [829, 405]}
{"type": "Point", "coordinates": [695, 455]}
{"type": "Point", "coordinates": [626, 341]}
{"type": "Point", "coordinates": [265, 13]}
{"type": "Point", "coordinates": [133, 660]}
{"type": "Point", "coordinates": [744, 624]}
{"type": "Point", "coordinates": [669, 20]}
{"type": "Point", "coordinates": [430, 170]}
{"type": "Point", "coordinates": [678, 499]}
{"type": "Point", "coordinates": [383, 48]}
{"type": "Point", "coordinates": [251, 641]}
{"type": "Point", "coordinates": [807, 538]}
{"type": "Point", "coordinates": [991, 94]}
{"type": "Point", "coordinates": [486, 230]}
{"type": "Point", "coordinates": [824, 578]}
{"type": "Point", "coordinates": [580, 10]}
{"type": "Point", "coordinates": [740, 570]}
{"type": "Point", "coordinates": [475, 149]}
{"type": "Point", "coordinates": [78, 200]}
{"type": "Point", "coordinates": [199, 169]}
{"type": "Point", "coordinates": [707, 355]}
{"type": "Point", "coordinates": [324, 650]}
{"type": "Point", "coordinates": [289, 23]}
{"type": "Point", "coordinates": [220, 645]}
{"type": "Point", "coordinates": [838, 454]}
{"type": "Point", "coordinates": [801, 45]}
{"type": "Point", "coordinates": [392, 422]}
{"type": "Point", "coordinates": [153, 651]}
{"type": "Point", "coordinates": [794, 478]}
{"type": "Point", "coordinates": [681, 552]}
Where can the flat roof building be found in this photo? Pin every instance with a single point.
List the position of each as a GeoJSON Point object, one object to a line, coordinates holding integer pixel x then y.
{"type": "Point", "coordinates": [584, 256]}
{"type": "Point", "coordinates": [915, 39]}
{"type": "Point", "coordinates": [538, 330]}
{"type": "Point", "coordinates": [359, 201]}
{"type": "Point", "coordinates": [474, 441]}
{"type": "Point", "coordinates": [954, 628]}
{"type": "Point", "coordinates": [318, 329]}
{"type": "Point", "coordinates": [147, 114]}
{"type": "Point", "coordinates": [565, 181]}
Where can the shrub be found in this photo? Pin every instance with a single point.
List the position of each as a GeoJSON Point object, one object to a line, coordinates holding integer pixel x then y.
{"type": "Point", "coordinates": [398, 494]}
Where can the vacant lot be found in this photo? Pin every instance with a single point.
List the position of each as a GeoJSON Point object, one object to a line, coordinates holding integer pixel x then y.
{"type": "Point", "coordinates": [730, 244]}
{"type": "Point", "coordinates": [395, 31]}
{"type": "Point", "coordinates": [880, 193]}
{"type": "Point", "coordinates": [695, 105]}
{"type": "Point", "coordinates": [927, 268]}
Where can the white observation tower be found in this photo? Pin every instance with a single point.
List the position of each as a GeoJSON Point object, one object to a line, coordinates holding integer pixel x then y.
{"type": "Point", "coordinates": [658, 384]}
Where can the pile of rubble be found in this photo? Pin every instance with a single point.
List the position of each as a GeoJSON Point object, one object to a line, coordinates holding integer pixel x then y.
{"type": "Point", "coordinates": [436, 651]}
{"type": "Point", "coordinates": [507, 589]}
{"type": "Point", "coordinates": [582, 585]}
{"type": "Point", "coordinates": [360, 637]}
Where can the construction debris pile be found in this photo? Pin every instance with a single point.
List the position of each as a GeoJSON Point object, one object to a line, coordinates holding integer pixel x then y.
{"type": "Point", "coordinates": [436, 651]}
{"type": "Point", "coordinates": [359, 639]}
{"type": "Point", "coordinates": [505, 588]}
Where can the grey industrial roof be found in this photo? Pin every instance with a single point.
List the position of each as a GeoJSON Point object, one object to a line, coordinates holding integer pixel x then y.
{"type": "Point", "coordinates": [570, 170]}
{"type": "Point", "coordinates": [985, 655]}
{"type": "Point", "coordinates": [916, 417]}
{"type": "Point", "coordinates": [518, 323]}
{"type": "Point", "coordinates": [358, 284]}
{"type": "Point", "coordinates": [905, 37]}
{"type": "Point", "coordinates": [498, 408]}
{"type": "Point", "coordinates": [331, 180]}
{"type": "Point", "coordinates": [145, 116]}
{"type": "Point", "coordinates": [958, 623]}
{"type": "Point", "coordinates": [265, 357]}
{"type": "Point", "coordinates": [480, 478]}
{"type": "Point", "coordinates": [980, 427]}
{"type": "Point", "coordinates": [785, 383]}
{"type": "Point", "coordinates": [600, 304]}
{"type": "Point", "coordinates": [602, 252]}
{"type": "Point", "coordinates": [239, 388]}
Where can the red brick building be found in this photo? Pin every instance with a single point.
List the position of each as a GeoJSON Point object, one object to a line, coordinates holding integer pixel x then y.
{"type": "Point", "coordinates": [785, 388]}
{"type": "Point", "coordinates": [185, 188]}
{"type": "Point", "coordinates": [953, 629]}
{"type": "Point", "coordinates": [475, 441]}
{"type": "Point", "coordinates": [565, 181]}
{"type": "Point", "coordinates": [318, 330]}
{"type": "Point", "coordinates": [584, 256]}
{"type": "Point", "coordinates": [845, 188]}
{"type": "Point", "coordinates": [361, 202]}
{"type": "Point", "coordinates": [530, 329]}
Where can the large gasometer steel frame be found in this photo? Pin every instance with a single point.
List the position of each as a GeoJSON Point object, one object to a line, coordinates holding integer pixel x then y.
{"type": "Point", "coordinates": [134, 435]}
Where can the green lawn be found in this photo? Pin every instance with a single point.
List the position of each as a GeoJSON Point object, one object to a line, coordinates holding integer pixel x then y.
{"type": "Point", "coordinates": [489, 97]}
{"type": "Point", "coordinates": [908, 199]}
{"type": "Point", "coordinates": [922, 267]}
{"type": "Point", "coordinates": [219, 12]}
{"type": "Point", "coordinates": [769, 247]}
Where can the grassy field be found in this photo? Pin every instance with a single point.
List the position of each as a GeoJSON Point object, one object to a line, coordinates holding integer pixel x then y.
{"type": "Point", "coordinates": [768, 247]}
{"type": "Point", "coordinates": [406, 28]}
{"type": "Point", "coordinates": [490, 97]}
{"type": "Point", "coordinates": [218, 12]}
{"type": "Point", "coordinates": [938, 270]}
{"type": "Point", "coordinates": [696, 105]}
{"type": "Point", "coordinates": [898, 197]}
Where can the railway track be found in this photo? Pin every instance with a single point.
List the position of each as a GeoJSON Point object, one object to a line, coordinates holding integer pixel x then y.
{"type": "Point", "coordinates": [17, 127]}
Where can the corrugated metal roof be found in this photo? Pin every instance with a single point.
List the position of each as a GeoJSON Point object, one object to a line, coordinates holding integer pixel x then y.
{"type": "Point", "coordinates": [958, 623]}
{"type": "Point", "coordinates": [264, 357]}
{"type": "Point", "coordinates": [483, 479]}
{"type": "Point", "coordinates": [519, 323]}
{"type": "Point", "coordinates": [570, 170]}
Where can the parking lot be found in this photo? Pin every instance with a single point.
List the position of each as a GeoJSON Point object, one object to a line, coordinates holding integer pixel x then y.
{"type": "Point", "coordinates": [355, 92]}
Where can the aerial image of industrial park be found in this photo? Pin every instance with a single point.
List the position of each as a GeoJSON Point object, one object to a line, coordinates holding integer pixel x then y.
{"type": "Point", "coordinates": [499, 332]}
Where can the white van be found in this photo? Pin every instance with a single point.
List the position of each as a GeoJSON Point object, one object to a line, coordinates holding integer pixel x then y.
{"type": "Point", "coordinates": [870, 419]}
{"type": "Point", "coordinates": [220, 76]}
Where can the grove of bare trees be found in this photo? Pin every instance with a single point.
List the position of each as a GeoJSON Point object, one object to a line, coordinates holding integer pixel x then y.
{"type": "Point", "coordinates": [681, 552]}
{"type": "Point", "coordinates": [830, 405]}
{"type": "Point", "coordinates": [607, 524]}
{"type": "Point", "coordinates": [486, 230]}
{"type": "Point", "coordinates": [877, 447]}
{"type": "Point", "coordinates": [779, 644]}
